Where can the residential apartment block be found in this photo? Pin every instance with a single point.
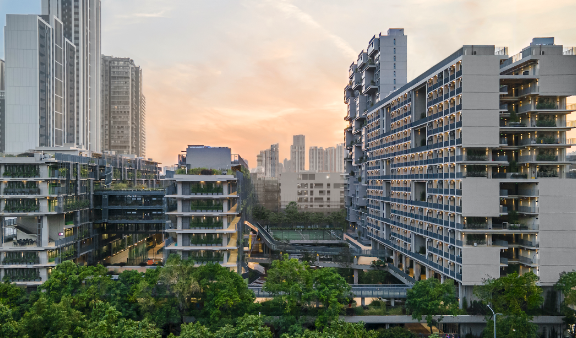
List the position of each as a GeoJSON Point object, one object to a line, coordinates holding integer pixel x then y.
{"type": "Point", "coordinates": [63, 206]}
{"type": "Point", "coordinates": [329, 160]}
{"type": "Point", "coordinates": [123, 107]}
{"type": "Point", "coordinates": [268, 161]}
{"type": "Point", "coordinates": [317, 192]}
{"type": "Point", "coordinates": [53, 77]}
{"type": "Point", "coordinates": [204, 207]}
{"type": "Point", "coordinates": [298, 153]}
{"type": "Point", "coordinates": [462, 172]}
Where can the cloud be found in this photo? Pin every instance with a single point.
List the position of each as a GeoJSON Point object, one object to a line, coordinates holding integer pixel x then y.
{"type": "Point", "coordinates": [290, 9]}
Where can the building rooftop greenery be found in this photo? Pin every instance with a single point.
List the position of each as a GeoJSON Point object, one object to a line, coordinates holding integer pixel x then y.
{"type": "Point", "coordinates": [203, 171]}
{"type": "Point", "coordinates": [124, 185]}
{"type": "Point", "coordinates": [292, 218]}
{"type": "Point", "coordinates": [86, 301]}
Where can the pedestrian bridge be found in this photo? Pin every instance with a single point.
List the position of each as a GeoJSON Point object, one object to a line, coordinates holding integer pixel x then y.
{"type": "Point", "coordinates": [388, 291]}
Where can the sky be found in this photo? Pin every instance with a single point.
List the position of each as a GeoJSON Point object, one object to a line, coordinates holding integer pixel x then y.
{"type": "Point", "coordinates": [250, 73]}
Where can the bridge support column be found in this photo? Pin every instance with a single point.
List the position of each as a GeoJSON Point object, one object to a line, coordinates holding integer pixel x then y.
{"type": "Point", "coordinates": [363, 301]}
{"type": "Point", "coordinates": [442, 278]}
{"type": "Point", "coordinates": [355, 276]}
{"type": "Point", "coordinates": [395, 258]}
{"type": "Point", "coordinates": [428, 272]}
{"type": "Point", "coordinates": [387, 326]}
{"type": "Point", "coordinates": [392, 302]}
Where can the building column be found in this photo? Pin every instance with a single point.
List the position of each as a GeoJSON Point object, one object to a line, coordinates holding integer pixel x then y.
{"type": "Point", "coordinates": [460, 295]}
{"type": "Point", "coordinates": [392, 302]}
{"type": "Point", "coordinates": [363, 301]}
{"type": "Point", "coordinates": [355, 276]}
{"type": "Point", "coordinates": [417, 269]}
{"type": "Point", "coordinates": [442, 278]}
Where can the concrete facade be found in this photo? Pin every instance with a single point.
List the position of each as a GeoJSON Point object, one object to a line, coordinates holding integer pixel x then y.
{"type": "Point", "coordinates": [298, 154]}
{"type": "Point", "coordinates": [123, 107]}
{"type": "Point", "coordinates": [322, 192]}
{"type": "Point", "coordinates": [462, 172]}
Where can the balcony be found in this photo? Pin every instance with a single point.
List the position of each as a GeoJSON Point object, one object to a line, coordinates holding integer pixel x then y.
{"type": "Point", "coordinates": [527, 209]}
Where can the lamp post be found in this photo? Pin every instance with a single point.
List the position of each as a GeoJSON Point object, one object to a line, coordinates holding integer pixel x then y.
{"type": "Point", "coordinates": [494, 314]}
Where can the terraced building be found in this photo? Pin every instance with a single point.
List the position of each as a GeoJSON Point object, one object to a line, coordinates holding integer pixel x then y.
{"type": "Point", "coordinates": [462, 172]}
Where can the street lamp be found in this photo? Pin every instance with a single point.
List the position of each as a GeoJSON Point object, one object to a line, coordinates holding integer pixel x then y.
{"type": "Point", "coordinates": [494, 314]}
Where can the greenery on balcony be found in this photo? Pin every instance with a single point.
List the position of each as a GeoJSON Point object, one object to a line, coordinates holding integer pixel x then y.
{"type": "Point", "coordinates": [547, 173]}
{"type": "Point", "coordinates": [546, 104]}
{"type": "Point", "coordinates": [546, 155]}
{"type": "Point", "coordinates": [476, 155]}
{"type": "Point", "coordinates": [21, 257]}
{"type": "Point", "coordinates": [476, 223]}
{"type": "Point", "coordinates": [72, 203]}
{"type": "Point", "coordinates": [206, 205]}
{"type": "Point", "coordinates": [206, 188]}
{"type": "Point", "coordinates": [200, 171]}
{"type": "Point", "coordinates": [546, 122]}
{"type": "Point", "coordinates": [22, 275]}
{"type": "Point", "coordinates": [208, 256]}
{"type": "Point", "coordinates": [205, 240]}
{"type": "Point", "coordinates": [475, 238]}
{"type": "Point", "coordinates": [21, 188]}
{"type": "Point", "coordinates": [24, 171]}
{"type": "Point", "coordinates": [476, 171]}
{"type": "Point", "coordinates": [546, 140]}
{"type": "Point", "coordinates": [206, 223]}
{"type": "Point", "coordinates": [21, 205]}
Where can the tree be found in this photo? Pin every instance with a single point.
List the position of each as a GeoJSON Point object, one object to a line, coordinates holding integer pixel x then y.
{"type": "Point", "coordinates": [339, 329]}
{"type": "Point", "coordinates": [514, 326]}
{"type": "Point", "coordinates": [49, 319]}
{"type": "Point", "coordinates": [8, 326]}
{"type": "Point", "coordinates": [194, 330]}
{"type": "Point", "coordinates": [177, 276]}
{"type": "Point", "coordinates": [397, 332]}
{"type": "Point", "coordinates": [290, 282]}
{"type": "Point", "coordinates": [224, 294]}
{"type": "Point", "coordinates": [106, 322]}
{"type": "Point", "coordinates": [14, 298]}
{"type": "Point", "coordinates": [567, 285]}
{"type": "Point", "coordinates": [431, 298]}
{"type": "Point", "coordinates": [332, 291]}
{"type": "Point", "coordinates": [511, 294]}
{"type": "Point", "coordinates": [122, 295]}
{"type": "Point", "coordinates": [84, 284]}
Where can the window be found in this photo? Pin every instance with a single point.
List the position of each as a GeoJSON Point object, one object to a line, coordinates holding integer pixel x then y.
{"type": "Point", "coordinates": [394, 73]}
{"type": "Point", "coordinates": [394, 58]}
{"type": "Point", "coordinates": [394, 42]}
{"type": "Point", "coordinates": [394, 83]}
{"type": "Point", "coordinates": [394, 50]}
{"type": "Point", "coordinates": [394, 66]}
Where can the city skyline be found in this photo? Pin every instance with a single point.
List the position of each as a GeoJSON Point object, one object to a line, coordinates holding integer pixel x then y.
{"type": "Point", "coordinates": [186, 81]}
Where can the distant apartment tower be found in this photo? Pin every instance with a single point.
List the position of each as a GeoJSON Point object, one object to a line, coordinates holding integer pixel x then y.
{"type": "Point", "coordinates": [40, 80]}
{"type": "Point", "coordinates": [340, 155]}
{"type": "Point", "coordinates": [316, 159]}
{"type": "Point", "coordinates": [53, 77]}
{"type": "Point", "coordinates": [298, 153]}
{"type": "Point", "coordinates": [81, 25]}
{"type": "Point", "coordinates": [123, 107]}
{"type": "Point", "coordinates": [268, 163]}
{"type": "Point", "coordinates": [2, 107]}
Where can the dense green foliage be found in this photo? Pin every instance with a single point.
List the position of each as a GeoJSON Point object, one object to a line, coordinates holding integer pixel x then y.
{"type": "Point", "coordinates": [515, 297]}
{"type": "Point", "coordinates": [430, 298]}
{"type": "Point", "coordinates": [291, 215]}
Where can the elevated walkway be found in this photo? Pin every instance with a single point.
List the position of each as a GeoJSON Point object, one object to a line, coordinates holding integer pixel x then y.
{"type": "Point", "coordinates": [388, 291]}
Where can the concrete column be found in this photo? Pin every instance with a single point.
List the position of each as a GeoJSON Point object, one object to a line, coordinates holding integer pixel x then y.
{"type": "Point", "coordinates": [395, 258]}
{"type": "Point", "coordinates": [355, 276]}
{"type": "Point", "coordinates": [417, 269]}
{"type": "Point", "coordinates": [387, 326]}
{"type": "Point", "coordinates": [392, 302]}
{"type": "Point", "coordinates": [428, 271]}
{"type": "Point", "coordinates": [460, 295]}
{"type": "Point", "coordinates": [363, 301]}
{"type": "Point", "coordinates": [442, 278]}
{"type": "Point", "coordinates": [355, 260]}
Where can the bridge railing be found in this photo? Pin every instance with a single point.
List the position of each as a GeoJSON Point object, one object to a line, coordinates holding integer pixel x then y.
{"type": "Point", "coordinates": [377, 290]}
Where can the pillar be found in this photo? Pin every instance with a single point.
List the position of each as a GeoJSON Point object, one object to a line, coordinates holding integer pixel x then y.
{"type": "Point", "coordinates": [355, 276]}
{"type": "Point", "coordinates": [460, 295]}
{"type": "Point", "coordinates": [392, 302]}
{"type": "Point", "coordinates": [442, 278]}
{"type": "Point", "coordinates": [417, 269]}
{"type": "Point", "coordinates": [363, 301]}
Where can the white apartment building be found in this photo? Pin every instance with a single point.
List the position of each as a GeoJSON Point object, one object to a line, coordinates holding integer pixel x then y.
{"type": "Point", "coordinates": [316, 159]}
{"type": "Point", "coordinates": [298, 153]}
{"type": "Point", "coordinates": [268, 161]}
{"type": "Point", "coordinates": [317, 192]}
{"type": "Point", "coordinates": [464, 168]}
{"type": "Point", "coordinates": [123, 107]}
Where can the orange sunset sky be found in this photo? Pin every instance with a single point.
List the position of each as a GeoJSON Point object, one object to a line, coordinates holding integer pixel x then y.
{"type": "Point", "coordinates": [249, 73]}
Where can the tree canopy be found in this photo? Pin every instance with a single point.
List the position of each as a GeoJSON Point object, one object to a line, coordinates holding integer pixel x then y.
{"type": "Point", "coordinates": [431, 298]}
